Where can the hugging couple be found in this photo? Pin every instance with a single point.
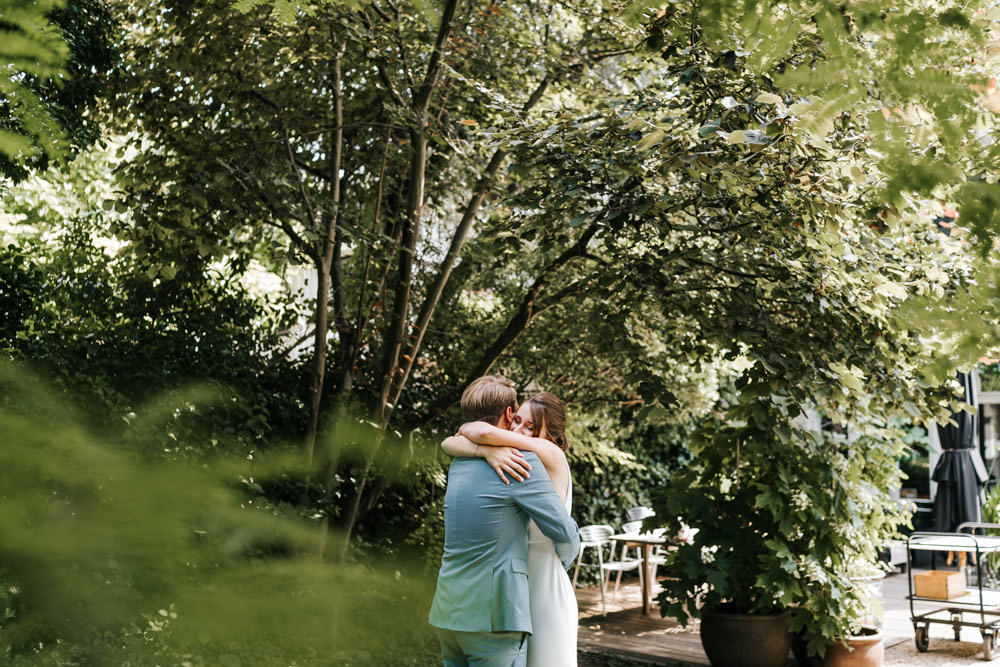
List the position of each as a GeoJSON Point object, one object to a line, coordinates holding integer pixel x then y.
{"type": "Point", "coordinates": [503, 596]}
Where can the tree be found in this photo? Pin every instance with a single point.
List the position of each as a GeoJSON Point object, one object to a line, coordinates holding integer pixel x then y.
{"type": "Point", "coordinates": [345, 137]}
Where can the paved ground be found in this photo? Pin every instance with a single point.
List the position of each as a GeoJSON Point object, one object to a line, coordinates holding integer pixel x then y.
{"type": "Point", "coordinates": [944, 651]}
{"type": "Point", "coordinates": [622, 629]}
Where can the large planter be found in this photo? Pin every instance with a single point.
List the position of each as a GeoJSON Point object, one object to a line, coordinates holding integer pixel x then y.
{"type": "Point", "coordinates": [742, 640]}
{"type": "Point", "coordinates": [868, 650]}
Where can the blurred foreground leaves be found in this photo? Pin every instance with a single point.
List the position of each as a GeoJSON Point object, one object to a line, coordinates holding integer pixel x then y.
{"type": "Point", "coordinates": [110, 558]}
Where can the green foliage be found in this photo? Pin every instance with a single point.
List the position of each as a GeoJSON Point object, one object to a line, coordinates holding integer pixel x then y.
{"type": "Point", "coordinates": [57, 59]}
{"type": "Point", "coordinates": [109, 558]}
{"type": "Point", "coordinates": [736, 200]}
{"type": "Point", "coordinates": [31, 49]}
{"type": "Point", "coordinates": [132, 348]}
{"type": "Point", "coordinates": [259, 96]}
{"type": "Point", "coordinates": [240, 156]}
{"type": "Point", "coordinates": [406, 519]}
{"type": "Point", "coordinates": [621, 463]}
{"type": "Point", "coordinates": [782, 513]}
{"type": "Point", "coordinates": [989, 376]}
{"type": "Point", "coordinates": [719, 232]}
{"type": "Point", "coordinates": [135, 348]}
{"type": "Point", "coordinates": [18, 283]}
{"type": "Point", "coordinates": [747, 201]}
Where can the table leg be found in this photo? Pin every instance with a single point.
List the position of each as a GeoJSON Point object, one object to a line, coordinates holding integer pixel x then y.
{"type": "Point", "coordinates": [646, 587]}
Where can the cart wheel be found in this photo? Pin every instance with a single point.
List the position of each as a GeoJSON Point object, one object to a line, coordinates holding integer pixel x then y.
{"type": "Point", "coordinates": [989, 647]}
{"type": "Point", "coordinates": [923, 641]}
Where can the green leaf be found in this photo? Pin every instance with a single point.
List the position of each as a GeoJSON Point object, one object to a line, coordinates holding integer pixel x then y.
{"type": "Point", "coordinates": [711, 127]}
{"type": "Point", "coordinates": [651, 139]}
{"type": "Point", "coordinates": [891, 289]}
{"type": "Point", "coordinates": [736, 137]}
{"type": "Point", "coordinates": [15, 146]}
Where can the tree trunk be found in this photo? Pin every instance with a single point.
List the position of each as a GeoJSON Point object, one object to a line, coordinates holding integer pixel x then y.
{"type": "Point", "coordinates": [397, 329]}
{"type": "Point", "coordinates": [319, 354]}
{"type": "Point", "coordinates": [404, 275]}
{"type": "Point", "coordinates": [325, 259]}
{"type": "Point", "coordinates": [401, 303]}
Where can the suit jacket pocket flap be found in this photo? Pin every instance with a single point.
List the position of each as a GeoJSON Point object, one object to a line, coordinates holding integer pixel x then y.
{"type": "Point", "coordinates": [519, 565]}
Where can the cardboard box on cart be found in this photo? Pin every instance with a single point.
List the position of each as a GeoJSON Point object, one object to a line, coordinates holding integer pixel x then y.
{"type": "Point", "coordinates": [938, 584]}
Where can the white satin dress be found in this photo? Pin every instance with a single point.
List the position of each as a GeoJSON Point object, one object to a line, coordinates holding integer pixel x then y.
{"type": "Point", "coordinates": [553, 603]}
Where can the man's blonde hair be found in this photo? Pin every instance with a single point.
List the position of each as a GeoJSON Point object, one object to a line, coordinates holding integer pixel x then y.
{"type": "Point", "coordinates": [487, 398]}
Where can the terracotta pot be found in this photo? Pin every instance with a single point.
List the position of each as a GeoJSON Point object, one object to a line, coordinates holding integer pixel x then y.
{"type": "Point", "coordinates": [742, 640]}
{"type": "Point", "coordinates": [869, 650]}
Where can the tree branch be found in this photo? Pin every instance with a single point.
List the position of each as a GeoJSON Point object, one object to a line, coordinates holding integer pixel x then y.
{"type": "Point", "coordinates": [306, 201]}
{"type": "Point", "coordinates": [305, 246]}
{"type": "Point", "coordinates": [517, 324]}
{"type": "Point", "coordinates": [401, 45]}
{"type": "Point", "coordinates": [721, 269]}
{"type": "Point", "coordinates": [380, 66]}
{"type": "Point", "coordinates": [359, 324]}
{"type": "Point", "coordinates": [423, 96]}
{"type": "Point", "coordinates": [458, 239]}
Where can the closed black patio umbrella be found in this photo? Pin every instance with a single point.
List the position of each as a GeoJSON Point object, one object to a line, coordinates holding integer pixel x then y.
{"type": "Point", "coordinates": [959, 473]}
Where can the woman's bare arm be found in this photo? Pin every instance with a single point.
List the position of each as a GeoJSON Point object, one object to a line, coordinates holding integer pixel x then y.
{"type": "Point", "coordinates": [501, 459]}
{"type": "Point", "coordinates": [458, 445]}
{"type": "Point", "coordinates": [552, 457]}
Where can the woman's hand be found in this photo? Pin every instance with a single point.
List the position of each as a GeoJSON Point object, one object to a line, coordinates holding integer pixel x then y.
{"type": "Point", "coordinates": [506, 459]}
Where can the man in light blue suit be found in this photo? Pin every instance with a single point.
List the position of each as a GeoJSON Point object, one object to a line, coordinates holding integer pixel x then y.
{"type": "Point", "coordinates": [480, 608]}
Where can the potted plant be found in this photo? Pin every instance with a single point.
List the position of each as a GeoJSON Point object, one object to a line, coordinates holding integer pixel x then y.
{"type": "Point", "coordinates": [863, 645]}
{"type": "Point", "coordinates": [780, 512]}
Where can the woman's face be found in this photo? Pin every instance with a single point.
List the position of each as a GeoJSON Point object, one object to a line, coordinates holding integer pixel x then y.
{"type": "Point", "coordinates": [523, 424]}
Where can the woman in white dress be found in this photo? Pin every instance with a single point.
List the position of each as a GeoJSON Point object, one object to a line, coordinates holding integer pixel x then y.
{"type": "Point", "coordinates": [538, 426]}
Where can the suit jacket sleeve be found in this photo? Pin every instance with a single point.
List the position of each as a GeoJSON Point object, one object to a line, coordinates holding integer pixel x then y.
{"type": "Point", "coordinates": [539, 499]}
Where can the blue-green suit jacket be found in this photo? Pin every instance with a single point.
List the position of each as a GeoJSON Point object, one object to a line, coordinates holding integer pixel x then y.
{"type": "Point", "coordinates": [483, 582]}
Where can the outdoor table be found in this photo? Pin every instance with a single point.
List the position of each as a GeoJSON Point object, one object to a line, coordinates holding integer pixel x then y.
{"type": "Point", "coordinates": [644, 541]}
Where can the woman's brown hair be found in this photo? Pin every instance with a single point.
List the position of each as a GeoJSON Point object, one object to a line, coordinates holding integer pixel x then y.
{"type": "Point", "coordinates": [547, 411]}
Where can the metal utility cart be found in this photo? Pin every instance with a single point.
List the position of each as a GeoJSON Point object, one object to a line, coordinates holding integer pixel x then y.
{"type": "Point", "coordinates": [980, 603]}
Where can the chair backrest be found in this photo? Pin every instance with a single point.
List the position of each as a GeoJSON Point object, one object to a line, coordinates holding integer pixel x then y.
{"type": "Point", "coordinates": [639, 513]}
{"type": "Point", "coordinates": [632, 527]}
{"type": "Point", "coordinates": [596, 534]}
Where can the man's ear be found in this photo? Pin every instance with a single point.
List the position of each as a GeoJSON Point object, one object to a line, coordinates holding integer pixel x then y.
{"type": "Point", "coordinates": [508, 417]}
